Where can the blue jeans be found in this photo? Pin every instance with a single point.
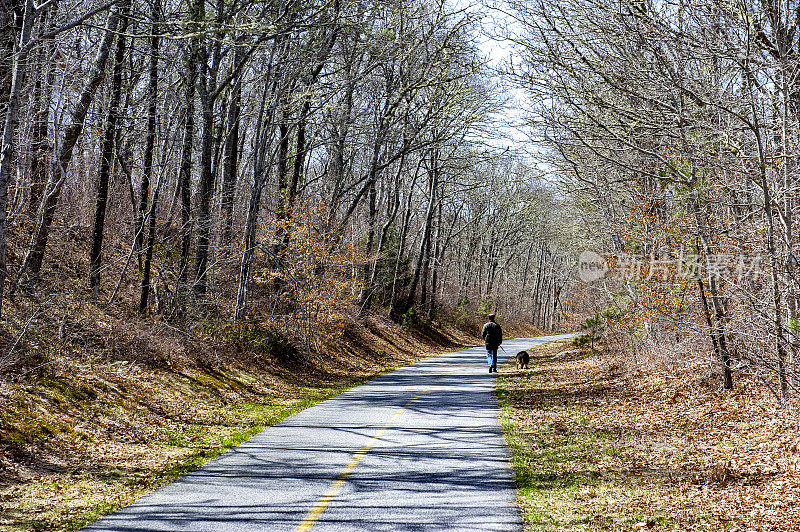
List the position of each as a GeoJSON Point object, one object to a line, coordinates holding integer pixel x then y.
{"type": "Point", "coordinates": [491, 357]}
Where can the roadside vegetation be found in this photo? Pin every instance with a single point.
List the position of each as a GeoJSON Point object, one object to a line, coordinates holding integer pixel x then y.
{"type": "Point", "coordinates": [601, 441]}
{"type": "Point", "coordinates": [213, 213]}
{"type": "Point", "coordinates": [678, 147]}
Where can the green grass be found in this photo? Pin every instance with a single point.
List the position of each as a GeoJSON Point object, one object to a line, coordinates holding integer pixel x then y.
{"type": "Point", "coordinates": [154, 447]}
{"type": "Point", "coordinates": [538, 452]}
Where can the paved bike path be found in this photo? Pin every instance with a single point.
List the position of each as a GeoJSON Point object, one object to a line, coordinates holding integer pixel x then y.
{"type": "Point", "coordinates": [416, 449]}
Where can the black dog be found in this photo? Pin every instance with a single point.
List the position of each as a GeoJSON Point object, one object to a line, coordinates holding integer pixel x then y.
{"type": "Point", "coordinates": [522, 360]}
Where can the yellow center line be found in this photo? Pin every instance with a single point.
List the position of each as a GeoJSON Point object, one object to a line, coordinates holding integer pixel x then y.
{"type": "Point", "coordinates": [316, 511]}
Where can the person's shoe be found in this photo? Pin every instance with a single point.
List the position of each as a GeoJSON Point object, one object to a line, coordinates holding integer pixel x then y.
{"type": "Point", "coordinates": [490, 369]}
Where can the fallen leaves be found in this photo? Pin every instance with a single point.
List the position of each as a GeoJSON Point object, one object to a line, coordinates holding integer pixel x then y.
{"type": "Point", "coordinates": [667, 449]}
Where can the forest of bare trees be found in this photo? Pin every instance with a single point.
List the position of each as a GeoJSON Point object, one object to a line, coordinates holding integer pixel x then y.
{"type": "Point", "coordinates": [291, 164]}
{"type": "Point", "coordinates": [283, 162]}
{"type": "Point", "coordinates": [675, 125]}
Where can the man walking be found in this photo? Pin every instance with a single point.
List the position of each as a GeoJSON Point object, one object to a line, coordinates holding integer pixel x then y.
{"type": "Point", "coordinates": [493, 336]}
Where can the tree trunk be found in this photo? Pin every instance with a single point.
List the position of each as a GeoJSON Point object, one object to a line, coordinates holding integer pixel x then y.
{"type": "Point", "coordinates": [339, 146]}
{"type": "Point", "coordinates": [525, 270]}
{"type": "Point", "coordinates": [230, 158]}
{"type": "Point", "coordinates": [283, 213]}
{"type": "Point", "coordinates": [365, 300]}
{"type": "Point", "coordinates": [191, 62]}
{"type": "Point", "coordinates": [260, 147]}
{"type": "Point", "coordinates": [780, 342]}
{"type": "Point", "coordinates": [426, 269]}
{"type": "Point", "coordinates": [10, 27]}
{"type": "Point", "coordinates": [426, 232]}
{"type": "Point", "coordinates": [149, 150]}
{"type": "Point", "coordinates": [718, 329]}
{"type": "Point", "coordinates": [537, 303]}
{"type": "Point", "coordinates": [41, 145]}
{"type": "Point", "coordinates": [7, 155]}
{"type": "Point", "coordinates": [394, 208]}
{"type": "Point", "coordinates": [208, 88]}
{"type": "Point", "coordinates": [436, 262]}
{"type": "Point", "coordinates": [394, 298]}
{"type": "Point", "coordinates": [789, 169]}
{"type": "Point", "coordinates": [300, 155]}
{"type": "Point", "coordinates": [107, 155]}
{"type": "Point", "coordinates": [150, 139]}
{"type": "Point", "coordinates": [242, 294]}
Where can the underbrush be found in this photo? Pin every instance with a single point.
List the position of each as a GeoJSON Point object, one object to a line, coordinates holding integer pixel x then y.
{"type": "Point", "coordinates": [98, 406]}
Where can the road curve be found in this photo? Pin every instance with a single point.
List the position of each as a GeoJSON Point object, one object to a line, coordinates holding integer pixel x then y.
{"type": "Point", "coordinates": [416, 449]}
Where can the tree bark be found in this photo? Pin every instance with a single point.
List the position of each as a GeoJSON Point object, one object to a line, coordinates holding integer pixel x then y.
{"type": "Point", "coordinates": [230, 158]}
{"type": "Point", "coordinates": [32, 263]}
{"type": "Point", "coordinates": [208, 88]}
{"type": "Point", "coordinates": [261, 144]}
{"type": "Point", "coordinates": [7, 155]}
{"type": "Point", "coordinates": [10, 27]}
{"type": "Point", "coordinates": [365, 301]}
{"type": "Point", "coordinates": [191, 62]}
{"type": "Point", "coordinates": [426, 231]}
{"type": "Point", "coordinates": [149, 151]}
{"type": "Point", "coordinates": [394, 298]}
{"type": "Point", "coordinates": [107, 154]}
{"type": "Point", "coordinates": [436, 262]}
{"type": "Point", "coordinates": [260, 147]}
{"type": "Point", "coordinates": [537, 303]}
{"type": "Point", "coordinates": [284, 209]}
{"type": "Point", "coordinates": [41, 145]}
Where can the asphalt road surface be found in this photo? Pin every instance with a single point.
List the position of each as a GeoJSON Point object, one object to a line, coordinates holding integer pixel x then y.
{"type": "Point", "coordinates": [416, 449]}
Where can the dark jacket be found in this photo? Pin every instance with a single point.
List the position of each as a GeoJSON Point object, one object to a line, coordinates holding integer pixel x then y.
{"type": "Point", "coordinates": [492, 334]}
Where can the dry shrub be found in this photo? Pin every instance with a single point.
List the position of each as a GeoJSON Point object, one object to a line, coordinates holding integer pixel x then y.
{"type": "Point", "coordinates": [308, 288]}
{"type": "Point", "coordinates": [152, 344]}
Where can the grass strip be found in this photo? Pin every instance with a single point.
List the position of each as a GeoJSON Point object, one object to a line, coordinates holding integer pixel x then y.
{"type": "Point", "coordinates": [268, 415]}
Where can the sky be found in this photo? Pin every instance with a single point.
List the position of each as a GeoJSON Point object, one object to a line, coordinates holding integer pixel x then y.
{"type": "Point", "coordinates": [499, 53]}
